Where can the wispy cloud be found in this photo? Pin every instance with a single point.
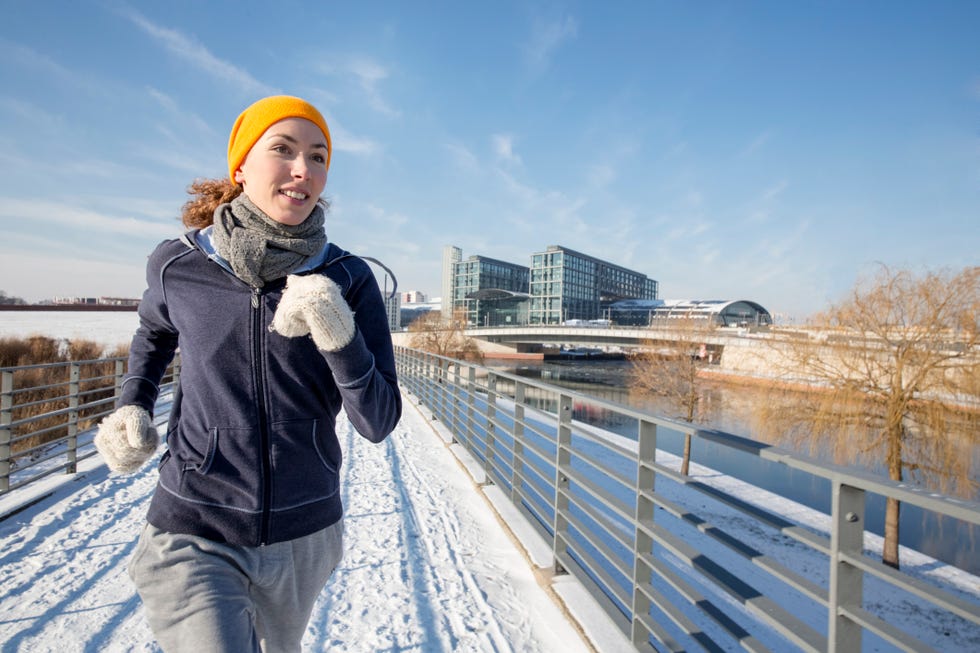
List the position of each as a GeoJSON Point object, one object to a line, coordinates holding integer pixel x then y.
{"type": "Point", "coordinates": [600, 176]}
{"type": "Point", "coordinates": [186, 48]}
{"type": "Point", "coordinates": [47, 69]}
{"type": "Point", "coordinates": [503, 148]}
{"type": "Point", "coordinates": [33, 211]}
{"type": "Point", "coordinates": [462, 157]}
{"type": "Point", "coordinates": [177, 112]}
{"type": "Point", "coordinates": [344, 141]}
{"type": "Point", "coordinates": [756, 143]}
{"type": "Point", "coordinates": [29, 112]}
{"type": "Point", "coordinates": [546, 38]}
{"type": "Point", "coordinates": [368, 75]}
{"type": "Point", "coordinates": [774, 191]}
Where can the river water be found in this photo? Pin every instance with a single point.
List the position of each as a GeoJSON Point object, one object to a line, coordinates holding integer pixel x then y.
{"type": "Point", "coordinates": [729, 408]}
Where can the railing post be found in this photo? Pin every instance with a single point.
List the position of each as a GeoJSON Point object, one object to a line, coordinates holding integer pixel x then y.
{"type": "Point", "coordinates": [6, 417]}
{"type": "Point", "coordinates": [490, 447]}
{"type": "Point", "coordinates": [428, 381]}
{"type": "Point", "coordinates": [443, 389]}
{"type": "Point", "coordinates": [846, 581]}
{"type": "Point", "coordinates": [456, 391]}
{"type": "Point", "coordinates": [517, 461]}
{"type": "Point", "coordinates": [74, 384]}
{"type": "Point", "coordinates": [646, 452]}
{"type": "Point", "coordinates": [470, 405]}
{"type": "Point", "coordinates": [563, 459]}
{"type": "Point", "coordinates": [118, 379]}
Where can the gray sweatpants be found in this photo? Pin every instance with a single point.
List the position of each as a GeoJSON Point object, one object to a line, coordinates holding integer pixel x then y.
{"type": "Point", "coordinates": [200, 595]}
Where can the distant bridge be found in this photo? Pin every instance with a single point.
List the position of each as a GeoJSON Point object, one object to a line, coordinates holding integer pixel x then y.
{"type": "Point", "coordinates": [526, 339]}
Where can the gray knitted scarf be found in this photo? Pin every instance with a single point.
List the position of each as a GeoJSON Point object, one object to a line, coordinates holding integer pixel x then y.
{"type": "Point", "coordinates": [258, 248]}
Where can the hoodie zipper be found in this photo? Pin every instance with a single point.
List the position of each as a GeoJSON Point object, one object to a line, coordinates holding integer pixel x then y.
{"type": "Point", "coordinates": [259, 375]}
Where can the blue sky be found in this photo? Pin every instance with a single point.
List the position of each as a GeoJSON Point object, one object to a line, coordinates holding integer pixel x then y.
{"type": "Point", "coordinates": [772, 151]}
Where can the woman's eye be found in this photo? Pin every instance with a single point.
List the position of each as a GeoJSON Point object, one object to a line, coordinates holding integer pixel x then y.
{"type": "Point", "coordinates": [319, 158]}
{"type": "Point", "coordinates": [281, 149]}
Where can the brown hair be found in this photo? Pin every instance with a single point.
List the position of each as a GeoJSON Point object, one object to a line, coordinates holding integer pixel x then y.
{"type": "Point", "coordinates": [207, 195]}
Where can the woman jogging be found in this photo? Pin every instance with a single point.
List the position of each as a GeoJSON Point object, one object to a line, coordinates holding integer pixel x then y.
{"type": "Point", "coordinates": [278, 329]}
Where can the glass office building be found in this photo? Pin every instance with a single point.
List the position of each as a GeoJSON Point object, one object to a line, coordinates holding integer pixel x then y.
{"type": "Point", "coordinates": [490, 292]}
{"type": "Point", "coordinates": [568, 285]}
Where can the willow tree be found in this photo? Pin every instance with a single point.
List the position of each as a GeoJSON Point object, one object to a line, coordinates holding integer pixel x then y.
{"type": "Point", "coordinates": [894, 375]}
{"type": "Point", "coordinates": [669, 367]}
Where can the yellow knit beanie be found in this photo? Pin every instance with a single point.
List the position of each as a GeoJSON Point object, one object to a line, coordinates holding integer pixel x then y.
{"type": "Point", "coordinates": [253, 122]}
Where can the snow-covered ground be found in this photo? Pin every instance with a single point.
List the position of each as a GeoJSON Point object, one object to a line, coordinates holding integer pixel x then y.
{"type": "Point", "coordinates": [427, 567]}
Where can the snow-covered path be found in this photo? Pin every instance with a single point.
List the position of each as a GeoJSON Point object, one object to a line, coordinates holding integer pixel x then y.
{"type": "Point", "coordinates": [420, 572]}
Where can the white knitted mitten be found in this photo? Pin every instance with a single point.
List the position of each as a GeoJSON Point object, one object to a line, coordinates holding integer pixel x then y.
{"type": "Point", "coordinates": [314, 304]}
{"type": "Point", "coordinates": [127, 438]}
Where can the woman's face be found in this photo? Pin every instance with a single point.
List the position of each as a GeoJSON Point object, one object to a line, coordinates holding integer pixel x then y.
{"type": "Point", "coordinates": [285, 171]}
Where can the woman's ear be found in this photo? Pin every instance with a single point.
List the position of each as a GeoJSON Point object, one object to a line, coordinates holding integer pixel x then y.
{"type": "Point", "coordinates": [239, 177]}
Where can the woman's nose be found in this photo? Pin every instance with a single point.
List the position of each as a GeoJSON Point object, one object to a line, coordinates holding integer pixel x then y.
{"type": "Point", "coordinates": [301, 169]}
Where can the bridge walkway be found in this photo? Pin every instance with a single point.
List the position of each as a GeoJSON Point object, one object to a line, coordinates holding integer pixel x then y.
{"type": "Point", "coordinates": [427, 566]}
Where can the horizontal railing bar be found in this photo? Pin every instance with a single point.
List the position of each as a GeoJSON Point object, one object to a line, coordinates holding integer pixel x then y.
{"type": "Point", "coordinates": [624, 539]}
{"type": "Point", "coordinates": [661, 635]}
{"type": "Point", "coordinates": [611, 473]}
{"type": "Point", "coordinates": [613, 611]}
{"type": "Point", "coordinates": [537, 451]}
{"type": "Point", "coordinates": [610, 501]}
{"type": "Point", "coordinates": [624, 568]}
{"type": "Point", "coordinates": [39, 366]}
{"type": "Point", "coordinates": [37, 418]}
{"type": "Point", "coordinates": [606, 444]}
{"type": "Point", "coordinates": [788, 528]}
{"type": "Point", "coordinates": [530, 426]}
{"type": "Point", "coordinates": [690, 594]}
{"type": "Point", "coordinates": [754, 600]}
{"type": "Point", "coordinates": [897, 637]}
{"type": "Point", "coordinates": [533, 486]}
{"type": "Point", "coordinates": [934, 595]}
{"type": "Point", "coordinates": [589, 564]}
{"type": "Point", "coordinates": [756, 557]}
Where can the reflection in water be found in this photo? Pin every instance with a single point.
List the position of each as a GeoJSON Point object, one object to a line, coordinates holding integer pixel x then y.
{"type": "Point", "coordinates": [730, 409]}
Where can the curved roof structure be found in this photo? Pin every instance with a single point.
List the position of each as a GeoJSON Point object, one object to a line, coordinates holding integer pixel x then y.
{"type": "Point", "coordinates": [491, 294]}
{"type": "Point", "coordinates": [737, 312]}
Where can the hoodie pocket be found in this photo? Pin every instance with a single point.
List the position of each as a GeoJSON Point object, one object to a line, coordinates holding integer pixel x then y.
{"type": "Point", "coordinates": [306, 461]}
{"type": "Point", "coordinates": [224, 472]}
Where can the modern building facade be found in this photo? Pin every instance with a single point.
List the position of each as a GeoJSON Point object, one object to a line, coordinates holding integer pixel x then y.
{"type": "Point", "coordinates": [490, 292]}
{"type": "Point", "coordinates": [560, 285]}
{"type": "Point", "coordinates": [568, 285]}
{"type": "Point", "coordinates": [450, 256]}
{"type": "Point", "coordinates": [393, 304]}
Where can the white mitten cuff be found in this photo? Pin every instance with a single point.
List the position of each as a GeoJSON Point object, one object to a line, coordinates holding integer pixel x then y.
{"type": "Point", "coordinates": [127, 438]}
{"type": "Point", "coordinates": [315, 304]}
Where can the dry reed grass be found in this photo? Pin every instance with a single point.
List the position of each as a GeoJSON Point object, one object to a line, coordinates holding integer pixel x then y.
{"type": "Point", "coordinates": [40, 391]}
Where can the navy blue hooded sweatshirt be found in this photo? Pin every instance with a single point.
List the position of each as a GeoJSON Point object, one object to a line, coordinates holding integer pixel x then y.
{"type": "Point", "coordinates": [252, 455]}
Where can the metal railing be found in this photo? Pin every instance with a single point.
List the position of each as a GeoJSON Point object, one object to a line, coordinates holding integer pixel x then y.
{"type": "Point", "coordinates": [682, 562]}
{"type": "Point", "coordinates": [47, 412]}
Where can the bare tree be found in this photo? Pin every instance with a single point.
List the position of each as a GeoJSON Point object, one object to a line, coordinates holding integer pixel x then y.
{"type": "Point", "coordinates": [434, 334]}
{"type": "Point", "coordinates": [669, 366]}
{"type": "Point", "coordinates": [895, 372]}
